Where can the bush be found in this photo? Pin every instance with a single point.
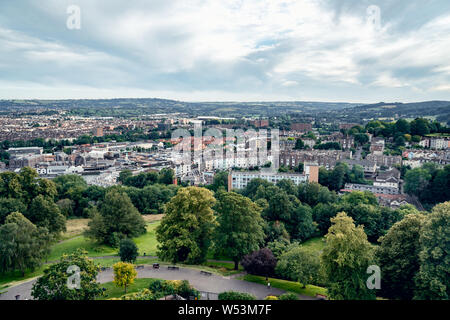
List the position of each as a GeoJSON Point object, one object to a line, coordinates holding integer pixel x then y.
{"type": "Point", "coordinates": [161, 288]}
{"type": "Point", "coordinates": [232, 295]}
{"type": "Point", "coordinates": [144, 294]}
{"type": "Point", "coordinates": [288, 296]}
{"type": "Point", "coordinates": [271, 298]}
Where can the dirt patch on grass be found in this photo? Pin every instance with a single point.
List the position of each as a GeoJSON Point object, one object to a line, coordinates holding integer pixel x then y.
{"type": "Point", "coordinates": [75, 227]}
{"type": "Point", "coordinates": [152, 217]}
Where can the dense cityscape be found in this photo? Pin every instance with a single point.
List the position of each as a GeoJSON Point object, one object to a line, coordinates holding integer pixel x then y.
{"type": "Point", "coordinates": [224, 159]}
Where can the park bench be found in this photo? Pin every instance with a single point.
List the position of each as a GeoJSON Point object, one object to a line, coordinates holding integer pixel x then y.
{"type": "Point", "coordinates": [156, 266]}
{"type": "Point", "coordinates": [140, 267]}
{"type": "Point", "coordinates": [206, 273]}
{"type": "Point", "coordinates": [172, 268]}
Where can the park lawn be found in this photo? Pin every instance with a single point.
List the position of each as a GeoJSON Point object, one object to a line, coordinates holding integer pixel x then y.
{"type": "Point", "coordinates": [289, 286]}
{"type": "Point", "coordinates": [109, 262]}
{"type": "Point", "coordinates": [115, 292]}
{"type": "Point", "coordinates": [315, 244]}
{"type": "Point", "coordinates": [147, 243]}
{"type": "Point", "coordinates": [68, 246]}
{"type": "Point", "coordinates": [12, 278]}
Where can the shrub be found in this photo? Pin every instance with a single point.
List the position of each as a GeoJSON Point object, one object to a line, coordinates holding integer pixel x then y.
{"type": "Point", "coordinates": [271, 298]}
{"type": "Point", "coordinates": [288, 296]}
{"type": "Point", "coordinates": [162, 288]}
{"type": "Point", "coordinates": [144, 294]}
{"type": "Point", "coordinates": [232, 295]}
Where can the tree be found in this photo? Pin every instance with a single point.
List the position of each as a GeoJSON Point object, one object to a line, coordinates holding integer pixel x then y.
{"type": "Point", "coordinates": [398, 257]}
{"type": "Point", "coordinates": [128, 251]}
{"type": "Point", "coordinates": [261, 262]}
{"type": "Point", "coordinates": [22, 244]}
{"type": "Point", "coordinates": [433, 281]}
{"type": "Point", "coordinates": [185, 232]}
{"type": "Point", "coordinates": [10, 186]}
{"type": "Point", "coordinates": [8, 206]}
{"type": "Point", "coordinates": [420, 127]}
{"type": "Point", "coordinates": [66, 207]}
{"type": "Point", "coordinates": [240, 226]}
{"type": "Point", "coordinates": [124, 175]}
{"type": "Point", "coordinates": [53, 284]}
{"type": "Point", "coordinates": [361, 138]}
{"type": "Point", "coordinates": [45, 213]}
{"type": "Point", "coordinates": [124, 274]}
{"type": "Point", "coordinates": [116, 219]}
{"type": "Point", "coordinates": [402, 126]}
{"type": "Point", "coordinates": [336, 178]}
{"type": "Point", "coordinates": [299, 264]}
{"type": "Point", "coordinates": [345, 259]}
{"type": "Point", "coordinates": [416, 181]}
{"type": "Point", "coordinates": [220, 181]}
{"type": "Point", "coordinates": [166, 176]}
{"type": "Point", "coordinates": [299, 144]}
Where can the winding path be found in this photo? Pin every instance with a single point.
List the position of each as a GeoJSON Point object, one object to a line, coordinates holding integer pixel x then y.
{"type": "Point", "coordinates": [207, 283]}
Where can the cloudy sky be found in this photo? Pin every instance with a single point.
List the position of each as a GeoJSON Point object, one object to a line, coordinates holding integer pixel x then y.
{"type": "Point", "coordinates": [223, 50]}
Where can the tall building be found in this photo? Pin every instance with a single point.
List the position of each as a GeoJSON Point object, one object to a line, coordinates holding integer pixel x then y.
{"type": "Point", "coordinates": [98, 132]}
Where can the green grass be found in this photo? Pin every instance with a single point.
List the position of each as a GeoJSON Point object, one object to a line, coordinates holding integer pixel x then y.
{"type": "Point", "coordinates": [11, 278]}
{"type": "Point", "coordinates": [93, 249]}
{"type": "Point", "coordinates": [147, 243]}
{"type": "Point", "coordinates": [289, 286]}
{"type": "Point", "coordinates": [315, 244]}
{"type": "Point", "coordinates": [115, 292]}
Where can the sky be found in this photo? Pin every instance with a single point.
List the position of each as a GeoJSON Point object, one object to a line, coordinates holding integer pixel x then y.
{"type": "Point", "coordinates": [234, 50]}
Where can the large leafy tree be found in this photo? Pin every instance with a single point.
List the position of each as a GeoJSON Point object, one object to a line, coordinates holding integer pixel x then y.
{"type": "Point", "coordinates": [185, 232]}
{"type": "Point", "coordinates": [8, 206]}
{"type": "Point", "coordinates": [240, 226]}
{"type": "Point", "coordinates": [45, 213]}
{"type": "Point", "coordinates": [299, 264]}
{"type": "Point", "coordinates": [416, 181]}
{"type": "Point", "coordinates": [398, 257]}
{"type": "Point", "coordinates": [345, 259]}
{"type": "Point", "coordinates": [53, 285]}
{"type": "Point", "coordinates": [22, 244]}
{"type": "Point", "coordinates": [433, 280]}
{"type": "Point", "coordinates": [10, 186]}
{"type": "Point", "coordinates": [116, 219]}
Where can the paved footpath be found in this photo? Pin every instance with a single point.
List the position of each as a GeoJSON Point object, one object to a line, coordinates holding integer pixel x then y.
{"type": "Point", "coordinates": [208, 283]}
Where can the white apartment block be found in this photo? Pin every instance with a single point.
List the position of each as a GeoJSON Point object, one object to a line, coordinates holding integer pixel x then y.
{"type": "Point", "coordinates": [439, 144]}
{"type": "Point", "coordinates": [240, 179]}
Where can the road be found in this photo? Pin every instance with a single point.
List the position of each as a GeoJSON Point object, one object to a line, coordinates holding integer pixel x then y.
{"type": "Point", "coordinates": [212, 283]}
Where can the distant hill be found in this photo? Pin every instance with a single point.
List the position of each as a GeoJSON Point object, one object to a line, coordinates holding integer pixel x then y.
{"type": "Point", "coordinates": [438, 109]}
{"type": "Point", "coordinates": [348, 112]}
